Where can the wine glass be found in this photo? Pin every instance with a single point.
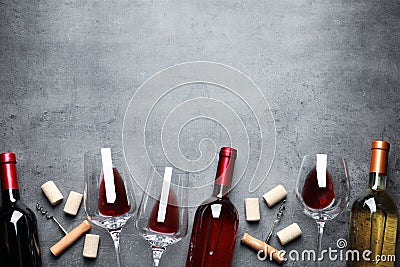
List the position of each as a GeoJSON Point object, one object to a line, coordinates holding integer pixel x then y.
{"type": "Point", "coordinates": [162, 216]}
{"type": "Point", "coordinates": [108, 195]}
{"type": "Point", "coordinates": [323, 188]}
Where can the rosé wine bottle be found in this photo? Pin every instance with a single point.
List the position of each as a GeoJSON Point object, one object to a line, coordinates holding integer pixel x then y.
{"type": "Point", "coordinates": [216, 220]}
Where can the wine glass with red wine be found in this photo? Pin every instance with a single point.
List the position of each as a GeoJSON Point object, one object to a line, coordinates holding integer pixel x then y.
{"type": "Point", "coordinates": [109, 196]}
{"type": "Point", "coordinates": [323, 188]}
{"type": "Point", "coordinates": [162, 216]}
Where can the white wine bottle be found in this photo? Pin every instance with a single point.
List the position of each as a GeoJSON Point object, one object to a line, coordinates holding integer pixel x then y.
{"type": "Point", "coordinates": [373, 219]}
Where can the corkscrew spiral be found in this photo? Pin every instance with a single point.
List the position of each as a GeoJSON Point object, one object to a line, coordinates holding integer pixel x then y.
{"type": "Point", "coordinates": [46, 214]}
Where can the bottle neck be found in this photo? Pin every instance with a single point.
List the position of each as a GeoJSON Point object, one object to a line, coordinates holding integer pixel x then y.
{"type": "Point", "coordinates": [9, 182]}
{"type": "Point", "coordinates": [223, 178]}
{"type": "Point", "coordinates": [9, 196]}
{"type": "Point", "coordinates": [221, 191]}
{"type": "Point", "coordinates": [378, 166]}
{"type": "Point", "coordinates": [377, 181]}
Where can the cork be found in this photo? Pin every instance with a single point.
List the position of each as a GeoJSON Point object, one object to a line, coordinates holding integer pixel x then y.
{"type": "Point", "coordinates": [289, 234]}
{"type": "Point", "coordinates": [258, 245]}
{"type": "Point", "coordinates": [52, 193]}
{"type": "Point", "coordinates": [91, 246]}
{"type": "Point", "coordinates": [252, 209]}
{"type": "Point", "coordinates": [73, 202]}
{"type": "Point", "coordinates": [275, 195]}
{"type": "Point", "coordinates": [70, 238]}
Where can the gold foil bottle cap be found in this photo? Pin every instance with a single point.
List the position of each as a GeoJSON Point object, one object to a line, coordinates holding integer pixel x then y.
{"type": "Point", "coordinates": [379, 157]}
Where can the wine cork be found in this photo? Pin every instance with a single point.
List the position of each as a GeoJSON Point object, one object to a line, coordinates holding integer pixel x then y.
{"type": "Point", "coordinates": [73, 202]}
{"type": "Point", "coordinates": [52, 193]}
{"type": "Point", "coordinates": [91, 246]}
{"type": "Point", "coordinates": [252, 209]}
{"type": "Point", "coordinates": [258, 245]}
{"type": "Point", "coordinates": [289, 234]}
{"type": "Point", "coordinates": [275, 195]}
{"type": "Point", "coordinates": [70, 238]}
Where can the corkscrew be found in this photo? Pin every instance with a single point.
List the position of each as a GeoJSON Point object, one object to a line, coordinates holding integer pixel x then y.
{"type": "Point", "coordinates": [277, 220]}
{"type": "Point", "coordinates": [46, 214]}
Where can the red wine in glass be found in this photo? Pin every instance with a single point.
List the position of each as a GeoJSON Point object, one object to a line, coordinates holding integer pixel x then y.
{"type": "Point", "coordinates": [121, 205]}
{"type": "Point", "coordinates": [317, 197]}
{"type": "Point", "coordinates": [323, 203]}
{"type": "Point", "coordinates": [170, 226]}
{"type": "Point", "coordinates": [162, 217]}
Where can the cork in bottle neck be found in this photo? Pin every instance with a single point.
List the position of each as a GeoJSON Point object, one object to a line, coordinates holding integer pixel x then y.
{"type": "Point", "coordinates": [379, 157]}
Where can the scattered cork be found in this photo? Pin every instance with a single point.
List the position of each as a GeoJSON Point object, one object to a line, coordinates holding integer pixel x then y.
{"type": "Point", "coordinates": [52, 193]}
{"type": "Point", "coordinates": [252, 209]}
{"type": "Point", "coordinates": [91, 246]}
{"type": "Point", "coordinates": [289, 234]}
{"type": "Point", "coordinates": [275, 195]}
{"type": "Point", "coordinates": [73, 202]}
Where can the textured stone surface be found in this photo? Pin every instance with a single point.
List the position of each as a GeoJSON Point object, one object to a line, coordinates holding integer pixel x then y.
{"type": "Point", "coordinates": [329, 69]}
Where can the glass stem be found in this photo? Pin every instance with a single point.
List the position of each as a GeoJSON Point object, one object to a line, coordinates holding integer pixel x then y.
{"type": "Point", "coordinates": [115, 237]}
{"type": "Point", "coordinates": [157, 253]}
{"type": "Point", "coordinates": [321, 225]}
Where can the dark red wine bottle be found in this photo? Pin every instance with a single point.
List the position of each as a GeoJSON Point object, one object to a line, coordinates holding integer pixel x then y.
{"type": "Point", "coordinates": [120, 205]}
{"type": "Point", "coordinates": [216, 220]}
{"type": "Point", "coordinates": [170, 226]}
{"type": "Point", "coordinates": [19, 244]}
{"type": "Point", "coordinates": [317, 197]}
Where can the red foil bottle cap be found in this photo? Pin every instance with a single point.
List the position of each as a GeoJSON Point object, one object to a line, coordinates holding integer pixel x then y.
{"type": "Point", "coordinates": [8, 171]}
{"type": "Point", "coordinates": [8, 158]}
{"type": "Point", "coordinates": [228, 152]}
{"type": "Point", "coordinates": [226, 164]}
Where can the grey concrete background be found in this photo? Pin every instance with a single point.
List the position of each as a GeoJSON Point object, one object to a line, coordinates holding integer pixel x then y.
{"type": "Point", "coordinates": [329, 70]}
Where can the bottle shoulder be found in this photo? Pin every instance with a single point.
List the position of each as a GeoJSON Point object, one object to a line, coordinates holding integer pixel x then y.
{"type": "Point", "coordinates": [217, 200]}
{"type": "Point", "coordinates": [19, 206]}
{"type": "Point", "coordinates": [377, 198]}
{"type": "Point", "coordinates": [214, 203]}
